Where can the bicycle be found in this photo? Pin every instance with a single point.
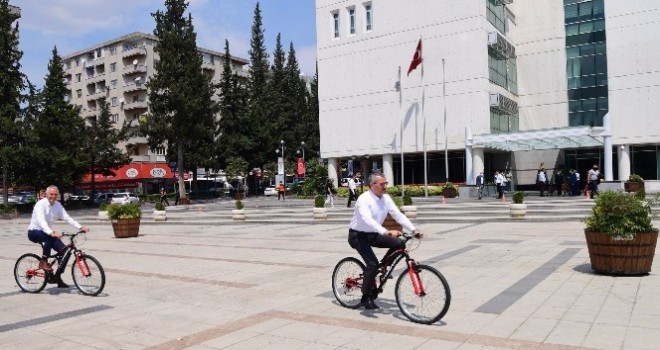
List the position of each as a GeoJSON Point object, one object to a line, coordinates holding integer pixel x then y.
{"type": "Point", "coordinates": [422, 292]}
{"type": "Point", "coordinates": [86, 271]}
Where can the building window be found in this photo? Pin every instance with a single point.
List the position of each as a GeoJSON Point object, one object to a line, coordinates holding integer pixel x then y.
{"type": "Point", "coordinates": [368, 17]}
{"type": "Point", "coordinates": [351, 20]}
{"type": "Point", "coordinates": [79, 93]}
{"type": "Point", "coordinates": [501, 122]}
{"type": "Point", "coordinates": [114, 118]}
{"type": "Point", "coordinates": [335, 21]}
{"type": "Point", "coordinates": [113, 101]}
{"type": "Point", "coordinates": [503, 72]}
{"type": "Point", "coordinates": [113, 67]}
{"type": "Point", "coordinates": [113, 83]}
{"type": "Point", "coordinates": [496, 15]}
{"type": "Point", "coordinates": [113, 50]}
{"type": "Point", "coordinates": [78, 77]}
{"type": "Point", "coordinates": [77, 61]}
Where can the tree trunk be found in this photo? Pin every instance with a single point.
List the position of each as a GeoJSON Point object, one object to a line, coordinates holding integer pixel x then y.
{"type": "Point", "coordinates": [182, 185]}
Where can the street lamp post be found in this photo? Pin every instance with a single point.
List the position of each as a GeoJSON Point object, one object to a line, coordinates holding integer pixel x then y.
{"type": "Point", "coordinates": [281, 151]}
{"type": "Point", "coordinates": [302, 148]}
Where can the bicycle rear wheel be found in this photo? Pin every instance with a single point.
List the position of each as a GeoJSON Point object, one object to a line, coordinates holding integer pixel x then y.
{"type": "Point", "coordinates": [423, 294]}
{"type": "Point", "coordinates": [88, 275]}
{"type": "Point", "coordinates": [347, 282]}
{"type": "Point", "coordinates": [29, 277]}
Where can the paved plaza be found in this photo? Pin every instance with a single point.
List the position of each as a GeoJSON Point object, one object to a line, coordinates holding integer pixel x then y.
{"type": "Point", "coordinates": [201, 281]}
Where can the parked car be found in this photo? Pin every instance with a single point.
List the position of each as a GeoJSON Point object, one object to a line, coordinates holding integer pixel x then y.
{"type": "Point", "coordinates": [270, 191]}
{"type": "Point", "coordinates": [79, 198]}
{"type": "Point", "coordinates": [344, 182]}
{"type": "Point", "coordinates": [103, 198]}
{"type": "Point", "coordinates": [125, 198]}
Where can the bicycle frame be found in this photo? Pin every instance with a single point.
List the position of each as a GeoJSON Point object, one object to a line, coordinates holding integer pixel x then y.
{"type": "Point", "coordinates": [387, 270]}
{"type": "Point", "coordinates": [79, 262]}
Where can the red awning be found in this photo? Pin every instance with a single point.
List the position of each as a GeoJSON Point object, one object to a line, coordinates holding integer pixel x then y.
{"type": "Point", "coordinates": [134, 172]}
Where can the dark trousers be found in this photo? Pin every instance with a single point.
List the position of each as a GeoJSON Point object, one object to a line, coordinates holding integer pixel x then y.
{"type": "Point", "coordinates": [164, 199]}
{"type": "Point", "coordinates": [49, 242]}
{"type": "Point", "coordinates": [351, 197]}
{"type": "Point", "coordinates": [280, 194]}
{"type": "Point", "coordinates": [593, 188]}
{"type": "Point", "coordinates": [362, 242]}
{"type": "Point", "coordinates": [500, 191]}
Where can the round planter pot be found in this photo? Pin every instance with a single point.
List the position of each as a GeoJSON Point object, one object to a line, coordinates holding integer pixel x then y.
{"type": "Point", "coordinates": [238, 214]}
{"type": "Point", "coordinates": [633, 186]}
{"type": "Point", "coordinates": [103, 215]}
{"type": "Point", "coordinates": [160, 215]}
{"type": "Point", "coordinates": [391, 224]}
{"type": "Point", "coordinates": [621, 256]}
{"type": "Point", "coordinates": [320, 214]}
{"type": "Point", "coordinates": [410, 211]}
{"type": "Point", "coordinates": [126, 227]}
{"type": "Point", "coordinates": [518, 211]}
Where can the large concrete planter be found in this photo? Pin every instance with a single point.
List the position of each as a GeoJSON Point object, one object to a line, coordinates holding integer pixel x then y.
{"type": "Point", "coordinates": [160, 215]}
{"type": "Point", "coordinates": [621, 256]}
{"type": "Point", "coordinates": [518, 210]}
{"type": "Point", "coordinates": [238, 214]}
{"type": "Point", "coordinates": [320, 214]}
{"type": "Point", "coordinates": [124, 228]}
{"type": "Point", "coordinates": [410, 211]}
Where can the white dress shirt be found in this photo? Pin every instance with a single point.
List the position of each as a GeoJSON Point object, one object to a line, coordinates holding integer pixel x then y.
{"type": "Point", "coordinates": [370, 212]}
{"type": "Point", "coordinates": [351, 184]}
{"type": "Point", "coordinates": [44, 216]}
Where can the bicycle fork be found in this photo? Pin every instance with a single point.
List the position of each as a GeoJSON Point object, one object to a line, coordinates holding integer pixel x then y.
{"type": "Point", "coordinates": [416, 281]}
{"type": "Point", "coordinates": [81, 264]}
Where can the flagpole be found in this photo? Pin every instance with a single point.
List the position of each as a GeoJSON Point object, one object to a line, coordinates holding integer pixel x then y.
{"type": "Point", "coordinates": [401, 132]}
{"type": "Point", "coordinates": [426, 187]}
{"type": "Point", "coordinates": [444, 112]}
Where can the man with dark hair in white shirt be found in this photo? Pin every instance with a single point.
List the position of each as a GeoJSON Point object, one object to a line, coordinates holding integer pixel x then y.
{"type": "Point", "coordinates": [44, 214]}
{"type": "Point", "coordinates": [366, 230]}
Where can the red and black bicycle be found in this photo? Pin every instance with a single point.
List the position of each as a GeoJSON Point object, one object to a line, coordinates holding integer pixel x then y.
{"type": "Point", "coordinates": [422, 292]}
{"type": "Point", "coordinates": [86, 271]}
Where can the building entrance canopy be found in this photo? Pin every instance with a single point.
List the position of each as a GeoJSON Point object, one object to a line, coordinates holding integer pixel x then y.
{"type": "Point", "coordinates": [573, 137]}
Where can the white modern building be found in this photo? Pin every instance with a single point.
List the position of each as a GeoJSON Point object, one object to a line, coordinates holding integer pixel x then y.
{"type": "Point", "coordinates": [503, 84]}
{"type": "Point", "coordinates": [118, 70]}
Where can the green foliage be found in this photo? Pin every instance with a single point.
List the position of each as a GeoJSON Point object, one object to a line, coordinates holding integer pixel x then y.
{"type": "Point", "coordinates": [126, 211]}
{"type": "Point", "coordinates": [236, 167]}
{"type": "Point", "coordinates": [518, 197]}
{"type": "Point", "coordinates": [103, 206]}
{"type": "Point", "coordinates": [620, 215]}
{"type": "Point", "coordinates": [239, 204]}
{"type": "Point", "coordinates": [407, 200]}
{"type": "Point", "coordinates": [449, 190]}
{"type": "Point", "coordinates": [635, 178]}
{"type": "Point", "coordinates": [398, 201]}
{"type": "Point", "coordinates": [159, 206]}
{"type": "Point", "coordinates": [319, 201]}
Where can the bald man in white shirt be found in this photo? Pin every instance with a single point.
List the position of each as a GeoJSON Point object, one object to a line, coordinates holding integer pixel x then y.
{"type": "Point", "coordinates": [366, 231]}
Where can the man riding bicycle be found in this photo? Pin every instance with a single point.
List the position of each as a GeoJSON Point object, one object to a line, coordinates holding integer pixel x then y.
{"type": "Point", "coordinates": [366, 231]}
{"type": "Point", "coordinates": [44, 214]}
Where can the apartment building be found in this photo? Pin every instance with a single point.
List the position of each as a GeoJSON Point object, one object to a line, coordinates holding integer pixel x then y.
{"type": "Point", "coordinates": [501, 84]}
{"type": "Point", "coordinates": [118, 70]}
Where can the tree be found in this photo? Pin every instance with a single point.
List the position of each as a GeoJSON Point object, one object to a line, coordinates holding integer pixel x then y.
{"type": "Point", "coordinates": [101, 144]}
{"type": "Point", "coordinates": [232, 131]}
{"type": "Point", "coordinates": [181, 110]}
{"type": "Point", "coordinates": [54, 147]}
{"type": "Point", "coordinates": [12, 83]}
{"type": "Point", "coordinates": [259, 118]}
{"type": "Point", "coordinates": [311, 121]}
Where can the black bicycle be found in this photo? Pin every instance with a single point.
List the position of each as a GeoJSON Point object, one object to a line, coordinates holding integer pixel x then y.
{"type": "Point", "coordinates": [421, 292]}
{"type": "Point", "coordinates": [86, 271]}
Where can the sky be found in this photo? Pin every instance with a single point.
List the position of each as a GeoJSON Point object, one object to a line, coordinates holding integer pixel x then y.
{"type": "Point", "coordinates": [72, 25]}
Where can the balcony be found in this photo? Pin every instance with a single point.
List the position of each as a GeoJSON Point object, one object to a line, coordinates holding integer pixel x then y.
{"type": "Point", "coordinates": [131, 105]}
{"type": "Point", "coordinates": [137, 140]}
{"type": "Point", "coordinates": [208, 66]}
{"type": "Point", "coordinates": [134, 51]}
{"type": "Point", "coordinates": [500, 47]}
{"type": "Point", "coordinates": [132, 87]}
{"type": "Point", "coordinates": [134, 69]}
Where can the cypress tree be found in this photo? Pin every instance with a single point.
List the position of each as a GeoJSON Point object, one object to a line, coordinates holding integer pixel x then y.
{"type": "Point", "coordinates": [181, 110]}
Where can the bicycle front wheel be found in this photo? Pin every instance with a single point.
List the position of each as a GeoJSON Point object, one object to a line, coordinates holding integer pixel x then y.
{"type": "Point", "coordinates": [423, 294]}
{"type": "Point", "coordinates": [29, 277]}
{"type": "Point", "coordinates": [88, 275]}
{"type": "Point", "coordinates": [347, 282]}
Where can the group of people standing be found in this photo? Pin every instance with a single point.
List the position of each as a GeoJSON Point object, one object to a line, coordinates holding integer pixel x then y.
{"type": "Point", "coordinates": [568, 184]}
{"type": "Point", "coordinates": [502, 182]}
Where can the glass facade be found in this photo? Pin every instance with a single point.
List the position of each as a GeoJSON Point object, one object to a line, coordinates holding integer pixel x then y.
{"type": "Point", "coordinates": [496, 15]}
{"type": "Point", "coordinates": [586, 62]}
{"type": "Point", "coordinates": [502, 122]}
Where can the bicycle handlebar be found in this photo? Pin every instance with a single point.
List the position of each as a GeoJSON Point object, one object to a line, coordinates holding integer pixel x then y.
{"type": "Point", "coordinates": [64, 234]}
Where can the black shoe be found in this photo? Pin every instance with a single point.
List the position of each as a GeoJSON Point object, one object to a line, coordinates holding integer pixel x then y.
{"type": "Point", "coordinates": [369, 304]}
{"type": "Point", "coordinates": [60, 284]}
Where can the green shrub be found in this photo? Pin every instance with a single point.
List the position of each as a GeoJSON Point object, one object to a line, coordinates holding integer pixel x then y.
{"type": "Point", "coordinates": [635, 178]}
{"type": "Point", "coordinates": [319, 201]}
{"type": "Point", "coordinates": [159, 206]}
{"type": "Point", "coordinates": [103, 206]}
{"type": "Point", "coordinates": [518, 197]}
{"type": "Point", "coordinates": [618, 214]}
{"type": "Point", "coordinates": [398, 201]}
{"type": "Point", "coordinates": [125, 211]}
{"type": "Point", "coordinates": [239, 204]}
{"type": "Point", "coordinates": [407, 200]}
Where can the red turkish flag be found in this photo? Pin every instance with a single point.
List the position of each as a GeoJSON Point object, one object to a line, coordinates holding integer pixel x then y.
{"type": "Point", "coordinates": [417, 58]}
